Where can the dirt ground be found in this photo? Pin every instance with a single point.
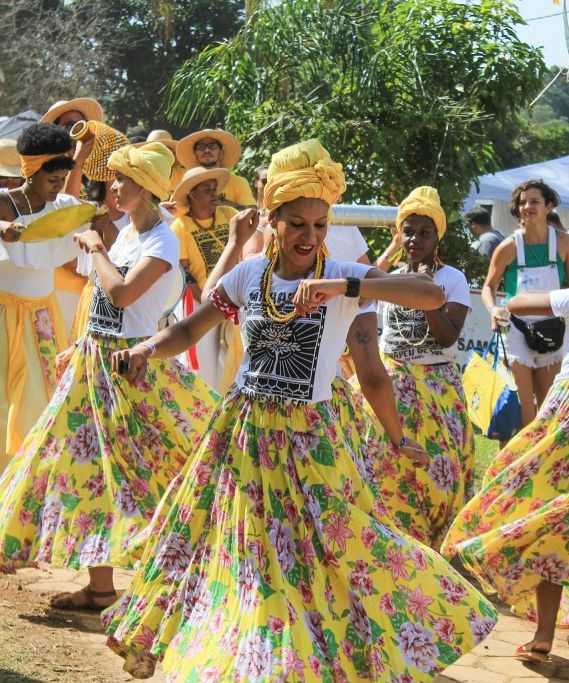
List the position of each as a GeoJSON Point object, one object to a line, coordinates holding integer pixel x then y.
{"type": "Point", "coordinates": [42, 645]}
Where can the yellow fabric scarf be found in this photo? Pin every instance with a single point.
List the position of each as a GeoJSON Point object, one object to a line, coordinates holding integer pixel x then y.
{"type": "Point", "coordinates": [423, 201]}
{"type": "Point", "coordinates": [31, 163]}
{"type": "Point", "coordinates": [150, 166]}
{"type": "Point", "coordinates": [303, 170]}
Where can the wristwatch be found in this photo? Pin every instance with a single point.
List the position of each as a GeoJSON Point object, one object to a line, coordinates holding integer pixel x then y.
{"type": "Point", "coordinates": [353, 287]}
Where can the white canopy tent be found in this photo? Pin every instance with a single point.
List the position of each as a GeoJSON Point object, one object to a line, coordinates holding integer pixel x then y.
{"type": "Point", "coordinates": [495, 190]}
{"type": "Point", "coordinates": [12, 126]}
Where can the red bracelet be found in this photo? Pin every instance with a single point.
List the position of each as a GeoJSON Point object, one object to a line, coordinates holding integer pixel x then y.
{"type": "Point", "coordinates": [229, 311]}
{"type": "Point", "coordinates": [99, 247]}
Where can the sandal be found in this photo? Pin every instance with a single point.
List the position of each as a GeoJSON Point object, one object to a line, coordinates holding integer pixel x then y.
{"type": "Point", "coordinates": [65, 601]}
{"type": "Point", "coordinates": [536, 655]}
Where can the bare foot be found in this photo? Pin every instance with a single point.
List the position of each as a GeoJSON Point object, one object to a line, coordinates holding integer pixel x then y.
{"type": "Point", "coordinates": [85, 598]}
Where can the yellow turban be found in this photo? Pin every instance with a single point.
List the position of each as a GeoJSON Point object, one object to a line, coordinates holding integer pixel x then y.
{"type": "Point", "coordinates": [423, 201]}
{"type": "Point", "coordinates": [149, 165]}
{"type": "Point", "coordinates": [303, 170]}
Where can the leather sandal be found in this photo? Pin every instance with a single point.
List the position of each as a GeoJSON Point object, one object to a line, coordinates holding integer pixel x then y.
{"type": "Point", "coordinates": [65, 601]}
{"type": "Point", "coordinates": [536, 655]}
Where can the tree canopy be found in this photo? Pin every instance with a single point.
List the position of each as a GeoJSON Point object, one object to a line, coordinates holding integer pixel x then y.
{"type": "Point", "coordinates": [122, 53]}
{"type": "Point", "coordinates": [403, 92]}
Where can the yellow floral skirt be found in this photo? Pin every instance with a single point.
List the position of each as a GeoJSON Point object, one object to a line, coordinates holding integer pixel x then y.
{"type": "Point", "coordinates": [515, 532]}
{"type": "Point", "coordinates": [267, 561]}
{"type": "Point", "coordinates": [432, 410]}
{"type": "Point", "coordinates": [32, 333]}
{"type": "Point", "coordinates": [91, 472]}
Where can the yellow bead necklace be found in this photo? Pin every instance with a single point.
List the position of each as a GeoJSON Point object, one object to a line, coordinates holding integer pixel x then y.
{"type": "Point", "coordinates": [269, 307]}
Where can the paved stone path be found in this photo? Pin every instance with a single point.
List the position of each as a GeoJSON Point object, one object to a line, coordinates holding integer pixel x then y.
{"type": "Point", "coordinates": [490, 662]}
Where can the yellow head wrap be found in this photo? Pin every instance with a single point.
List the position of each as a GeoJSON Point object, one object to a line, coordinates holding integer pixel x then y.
{"type": "Point", "coordinates": [423, 201]}
{"type": "Point", "coordinates": [149, 166]}
{"type": "Point", "coordinates": [32, 163]}
{"type": "Point", "coordinates": [303, 170]}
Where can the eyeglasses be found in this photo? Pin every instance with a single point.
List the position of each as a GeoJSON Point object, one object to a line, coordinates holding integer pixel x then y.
{"type": "Point", "coordinates": [202, 146]}
{"type": "Point", "coordinates": [68, 125]}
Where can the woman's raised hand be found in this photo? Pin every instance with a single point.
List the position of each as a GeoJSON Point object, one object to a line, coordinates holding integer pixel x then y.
{"type": "Point", "coordinates": [10, 232]}
{"type": "Point", "coordinates": [87, 240]}
{"type": "Point", "coordinates": [131, 364]}
{"type": "Point", "coordinates": [243, 225]}
{"type": "Point", "coordinates": [313, 293]}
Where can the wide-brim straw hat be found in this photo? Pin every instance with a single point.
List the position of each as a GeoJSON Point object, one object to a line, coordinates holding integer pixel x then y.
{"type": "Point", "coordinates": [230, 144]}
{"type": "Point", "coordinates": [195, 176]}
{"type": "Point", "coordinates": [90, 108]}
{"type": "Point", "coordinates": [9, 159]}
{"type": "Point", "coordinates": [162, 136]}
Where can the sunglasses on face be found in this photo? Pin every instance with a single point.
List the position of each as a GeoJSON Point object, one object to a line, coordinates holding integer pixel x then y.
{"type": "Point", "coordinates": [202, 146]}
{"type": "Point", "coordinates": [68, 125]}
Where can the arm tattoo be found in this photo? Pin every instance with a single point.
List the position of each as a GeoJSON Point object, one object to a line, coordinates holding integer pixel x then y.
{"type": "Point", "coordinates": [362, 337]}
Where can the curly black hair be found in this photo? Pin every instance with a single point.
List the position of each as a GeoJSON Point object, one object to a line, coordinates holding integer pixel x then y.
{"type": "Point", "coordinates": [47, 138]}
{"type": "Point", "coordinates": [44, 138]}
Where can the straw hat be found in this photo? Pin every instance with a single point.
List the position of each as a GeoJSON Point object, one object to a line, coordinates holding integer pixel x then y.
{"type": "Point", "coordinates": [195, 176]}
{"type": "Point", "coordinates": [90, 108]}
{"type": "Point", "coordinates": [9, 159]}
{"type": "Point", "coordinates": [230, 144]}
{"type": "Point", "coordinates": [162, 136]}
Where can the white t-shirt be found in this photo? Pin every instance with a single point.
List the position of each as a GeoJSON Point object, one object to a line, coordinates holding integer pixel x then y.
{"type": "Point", "coordinates": [345, 243]}
{"type": "Point", "coordinates": [559, 300]}
{"type": "Point", "coordinates": [295, 362]}
{"type": "Point", "coordinates": [405, 327]}
{"type": "Point", "coordinates": [140, 319]}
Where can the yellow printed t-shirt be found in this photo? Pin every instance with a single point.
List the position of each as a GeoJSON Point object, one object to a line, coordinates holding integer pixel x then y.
{"type": "Point", "coordinates": [238, 191]}
{"type": "Point", "coordinates": [201, 243]}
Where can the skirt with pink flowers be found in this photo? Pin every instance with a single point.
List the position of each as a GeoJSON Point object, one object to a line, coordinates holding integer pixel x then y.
{"type": "Point", "coordinates": [92, 470]}
{"type": "Point", "coordinates": [269, 560]}
{"type": "Point", "coordinates": [423, 501]}
{"type": "Point", "coordinates": [515, 532]}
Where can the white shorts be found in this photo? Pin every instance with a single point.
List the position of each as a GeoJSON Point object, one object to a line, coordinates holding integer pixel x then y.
{"type": "Point", "coordinates": [519, 351]}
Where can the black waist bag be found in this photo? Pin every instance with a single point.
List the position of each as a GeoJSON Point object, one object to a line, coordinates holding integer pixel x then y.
{"type": "Point", "coordinates": [543, 336]}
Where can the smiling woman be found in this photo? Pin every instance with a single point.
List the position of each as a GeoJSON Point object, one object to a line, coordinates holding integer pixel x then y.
{"type": "Point", "coordinates": [271, 560]}
{"type": "Point", "coordinates": [535, 258]}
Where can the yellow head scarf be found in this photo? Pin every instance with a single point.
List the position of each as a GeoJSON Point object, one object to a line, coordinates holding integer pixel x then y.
{"type": "Point", "coordinates": [303, 170]}
{"type": "Point", "coordinates": [149, 166]}
{"type": "Point", "coordinates": [32, 163]}
{"type": "Point", "coordinates": [423, 201]}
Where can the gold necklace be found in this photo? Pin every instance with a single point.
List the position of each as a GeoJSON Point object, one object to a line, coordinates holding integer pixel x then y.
{"type": "Point", "coordinates": [269, 307]}
{"type": "Point", "coordinates": [26, 196]}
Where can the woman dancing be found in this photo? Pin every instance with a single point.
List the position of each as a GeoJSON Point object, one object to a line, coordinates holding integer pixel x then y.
{"type": "Point", "coordinates": [514, 535]}
{"type": "Point", "coordinates": [90, 473]}
{"type": "Point", "coordinates": [269, 561]}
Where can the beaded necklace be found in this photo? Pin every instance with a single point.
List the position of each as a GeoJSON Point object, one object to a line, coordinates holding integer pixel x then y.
{"type": "Point", "coordinates": [269, 307]}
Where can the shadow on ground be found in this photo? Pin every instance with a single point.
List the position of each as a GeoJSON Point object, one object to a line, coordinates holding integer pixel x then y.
{"type": "Point", "coordinates": [9, 676]}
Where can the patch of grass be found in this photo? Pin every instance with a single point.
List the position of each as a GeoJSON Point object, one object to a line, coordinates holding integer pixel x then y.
{"type": "Point", "coordinates": [486, 451]}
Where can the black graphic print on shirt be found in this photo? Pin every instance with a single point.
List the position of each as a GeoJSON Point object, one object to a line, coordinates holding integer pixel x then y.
{"type": "Point", "coordinates": [407, 334]}
{"type": "Point", "coordinates": [210, 244]}
{"type": "Point", "coordinates": [283, 358]}
{"type": "Point", "coordinates": [104, 318]}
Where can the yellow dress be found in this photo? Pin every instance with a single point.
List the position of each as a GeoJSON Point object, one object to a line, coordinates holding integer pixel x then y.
{"type": "Point", "coordinates": [269, 558]}
{"type": "Point", "coordinates": [515, 531]}
{"type": "Point", "coordinates": [32, 329]}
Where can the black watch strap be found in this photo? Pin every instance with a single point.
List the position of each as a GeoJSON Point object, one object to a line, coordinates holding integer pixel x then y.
{"type": "Point", "coordinates": [353, 286]}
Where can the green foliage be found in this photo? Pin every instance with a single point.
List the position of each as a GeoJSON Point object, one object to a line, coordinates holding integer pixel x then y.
{"type": "Point", "coordinates": [122, 53]}
{"type": "Point", "coordinates": [402, 92]}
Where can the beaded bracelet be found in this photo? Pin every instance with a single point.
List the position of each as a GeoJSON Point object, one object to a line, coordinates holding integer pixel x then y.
{"type": "Point", "coordinates": [229, 311]}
